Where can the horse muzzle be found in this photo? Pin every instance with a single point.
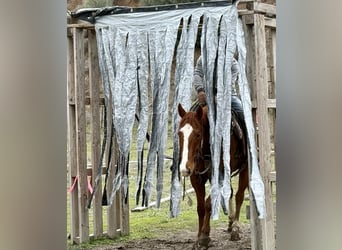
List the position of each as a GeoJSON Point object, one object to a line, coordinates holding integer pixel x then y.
{"type": "Point", "coordinates": [185, 172]}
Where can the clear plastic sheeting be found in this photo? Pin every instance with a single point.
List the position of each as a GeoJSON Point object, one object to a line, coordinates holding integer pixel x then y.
{"type": "Point", "coordinates": [137, 49]}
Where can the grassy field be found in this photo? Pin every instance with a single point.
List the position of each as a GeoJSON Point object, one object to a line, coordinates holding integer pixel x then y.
{"type": "Point", "coordinates": [153, 222]}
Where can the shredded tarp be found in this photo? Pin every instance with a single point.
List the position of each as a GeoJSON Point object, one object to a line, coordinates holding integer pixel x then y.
{"type": "Point", "coordinates": [142, 116]}
{"type": "Point", "coordinates": [256, 184]}
{"type": "Point", "coordinates": [139, 44]}
{"type": "Point", "coordinates": [182, 94]}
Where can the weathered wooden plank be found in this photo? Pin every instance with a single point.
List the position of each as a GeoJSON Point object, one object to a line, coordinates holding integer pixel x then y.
{"type": "Point", "coordinates": [72, 166]}
{"type": "Point", "coordinates": [88, 100]}
{"type": "Point", "coordinates": [81, 134]}
{"type": "Point", "coordinates": [248, 20]}
{"type": "Point", "coordinates": [250, 64]}
{"type": "Point", "coordinates": [94, 91]}
{"type": "Point", "coordinates": [271, 57]}
{"type": "Point", "coordinates": [271, 103]}
{"type": "Point", "coordinates": [262, 8]}
{"type": "Point", "coordinates": [71, 111]}
{"type": "Point", "coordinates": [270, 22]}
{"type": "Point", "coordinates": [261, 85]}
{"type": "Point", "coordinates": [70, 73]}
{"type": "Point", "coordinates": [256, 233]}
{"type": "Point", "coordinates": [272, 60]}
{"type": "Point", "coordinates": [81, 25]}
{"type": "Point", "coordinates": [244, 12]}
{"type": "Point", "coordinates": [265, 8]}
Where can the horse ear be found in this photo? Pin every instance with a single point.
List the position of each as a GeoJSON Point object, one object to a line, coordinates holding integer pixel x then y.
{"type": "Point", "coordinates": [199, 113]}
{"type": "Point", "coordinates": [181, 111]}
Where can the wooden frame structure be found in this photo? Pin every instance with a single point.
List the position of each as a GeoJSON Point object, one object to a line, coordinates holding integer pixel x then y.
{"type": "Point", "coordinates": [84, 100]}
{"type": "Point", "coordinates": [260, 34]}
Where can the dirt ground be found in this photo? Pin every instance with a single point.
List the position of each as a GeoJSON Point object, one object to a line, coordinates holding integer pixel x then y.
{"type": "Point", "coordinates": [185, 240]}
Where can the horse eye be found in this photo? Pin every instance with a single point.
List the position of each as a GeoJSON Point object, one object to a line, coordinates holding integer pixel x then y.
{"type": "Point", "coordinates": [198, 136]}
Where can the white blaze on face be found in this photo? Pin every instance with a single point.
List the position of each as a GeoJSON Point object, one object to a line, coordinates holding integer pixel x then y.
{"type": "Point", "coordinates": [186, 130]}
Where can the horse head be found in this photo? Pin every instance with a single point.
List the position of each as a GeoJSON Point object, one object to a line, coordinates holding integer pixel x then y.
{"type": "Point", "coordinates": [190, 136]}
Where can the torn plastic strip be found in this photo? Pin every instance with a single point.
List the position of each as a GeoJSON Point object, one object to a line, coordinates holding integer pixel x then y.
{"type": "Point", "coordinates": [182, 94]}
{"type": "Point", "coordinates": [107, 66]}
{"type": "Point", "coordinates": [226, 49]}
{"type": "Point", "coordinates": [256, 184]}
{"type": "Point", "coordinates": [209, 43]}
{"type": "Point", "coordinates": [142, 82]}
{"type": "Point", "coordinates": [160, 69]}
{"type": "Point", "coordinates": [124, 102]}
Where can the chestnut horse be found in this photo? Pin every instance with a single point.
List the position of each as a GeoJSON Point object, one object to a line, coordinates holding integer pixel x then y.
{"type": "Point", "coordinates": [195, 162]}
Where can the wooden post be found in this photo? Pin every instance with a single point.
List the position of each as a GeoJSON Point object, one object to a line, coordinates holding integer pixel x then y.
{"type": "Point", "coordinates": [261, 85]}
{"type": "Point", "coordinates": [72, 170]}
{"type": "Point", "coordinates": [81, 134]}
{"type": "Point", "coordinates": [262, 230]}
{"type": "Point", "coordinates": [256, 233]}
{"type": "Point", "coordinates": [94, 89]}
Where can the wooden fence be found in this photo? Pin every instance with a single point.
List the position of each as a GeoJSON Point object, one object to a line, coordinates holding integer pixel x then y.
{"type": "Point", "coordinates": [85, 101]}
{"type": "Point", "coordinates": [85, 105]}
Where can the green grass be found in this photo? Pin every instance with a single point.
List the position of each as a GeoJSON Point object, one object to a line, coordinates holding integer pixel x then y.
{"type": "Point", "coordinates": [153, 222]}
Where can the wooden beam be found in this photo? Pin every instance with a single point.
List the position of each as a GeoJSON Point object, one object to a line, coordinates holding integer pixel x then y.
{"type": "Point", "coordinates": [262, 8]}
{"type": "Point", "coordinates": [271, 103]}
{"type": "Point", "coordinates": [94, 91]}
{"type": "Point", "coordinates": [81, 25]}
{"type": "Point", "coordinates": [72, 166]}
{"type": "Point", "coordinates": [81, 134]}
{"type": "Point", "coordinates": [270, 22]}
{"type": "Point", "coordinates": [261, 85]}
{"type": "Point", "coordinates": [249, 15]}
{"type": "Point", "coordinates": [90, 171]}
{"type": "Point", "coordinates": [88, 101]}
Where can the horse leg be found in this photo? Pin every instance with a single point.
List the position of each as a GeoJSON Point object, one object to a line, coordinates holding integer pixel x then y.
{"type": "Point", "coordinates": [204, 238]}
{"type": "Point", "coordinates": [240, 194]}
{"type": "Point", "coordinates": [200, 195]}
{"type": "Point", "coordinates": [231, 210]}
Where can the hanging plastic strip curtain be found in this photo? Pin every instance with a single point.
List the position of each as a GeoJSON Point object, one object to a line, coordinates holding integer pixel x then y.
{"type": "Point", "coordinates": [137, 49]}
